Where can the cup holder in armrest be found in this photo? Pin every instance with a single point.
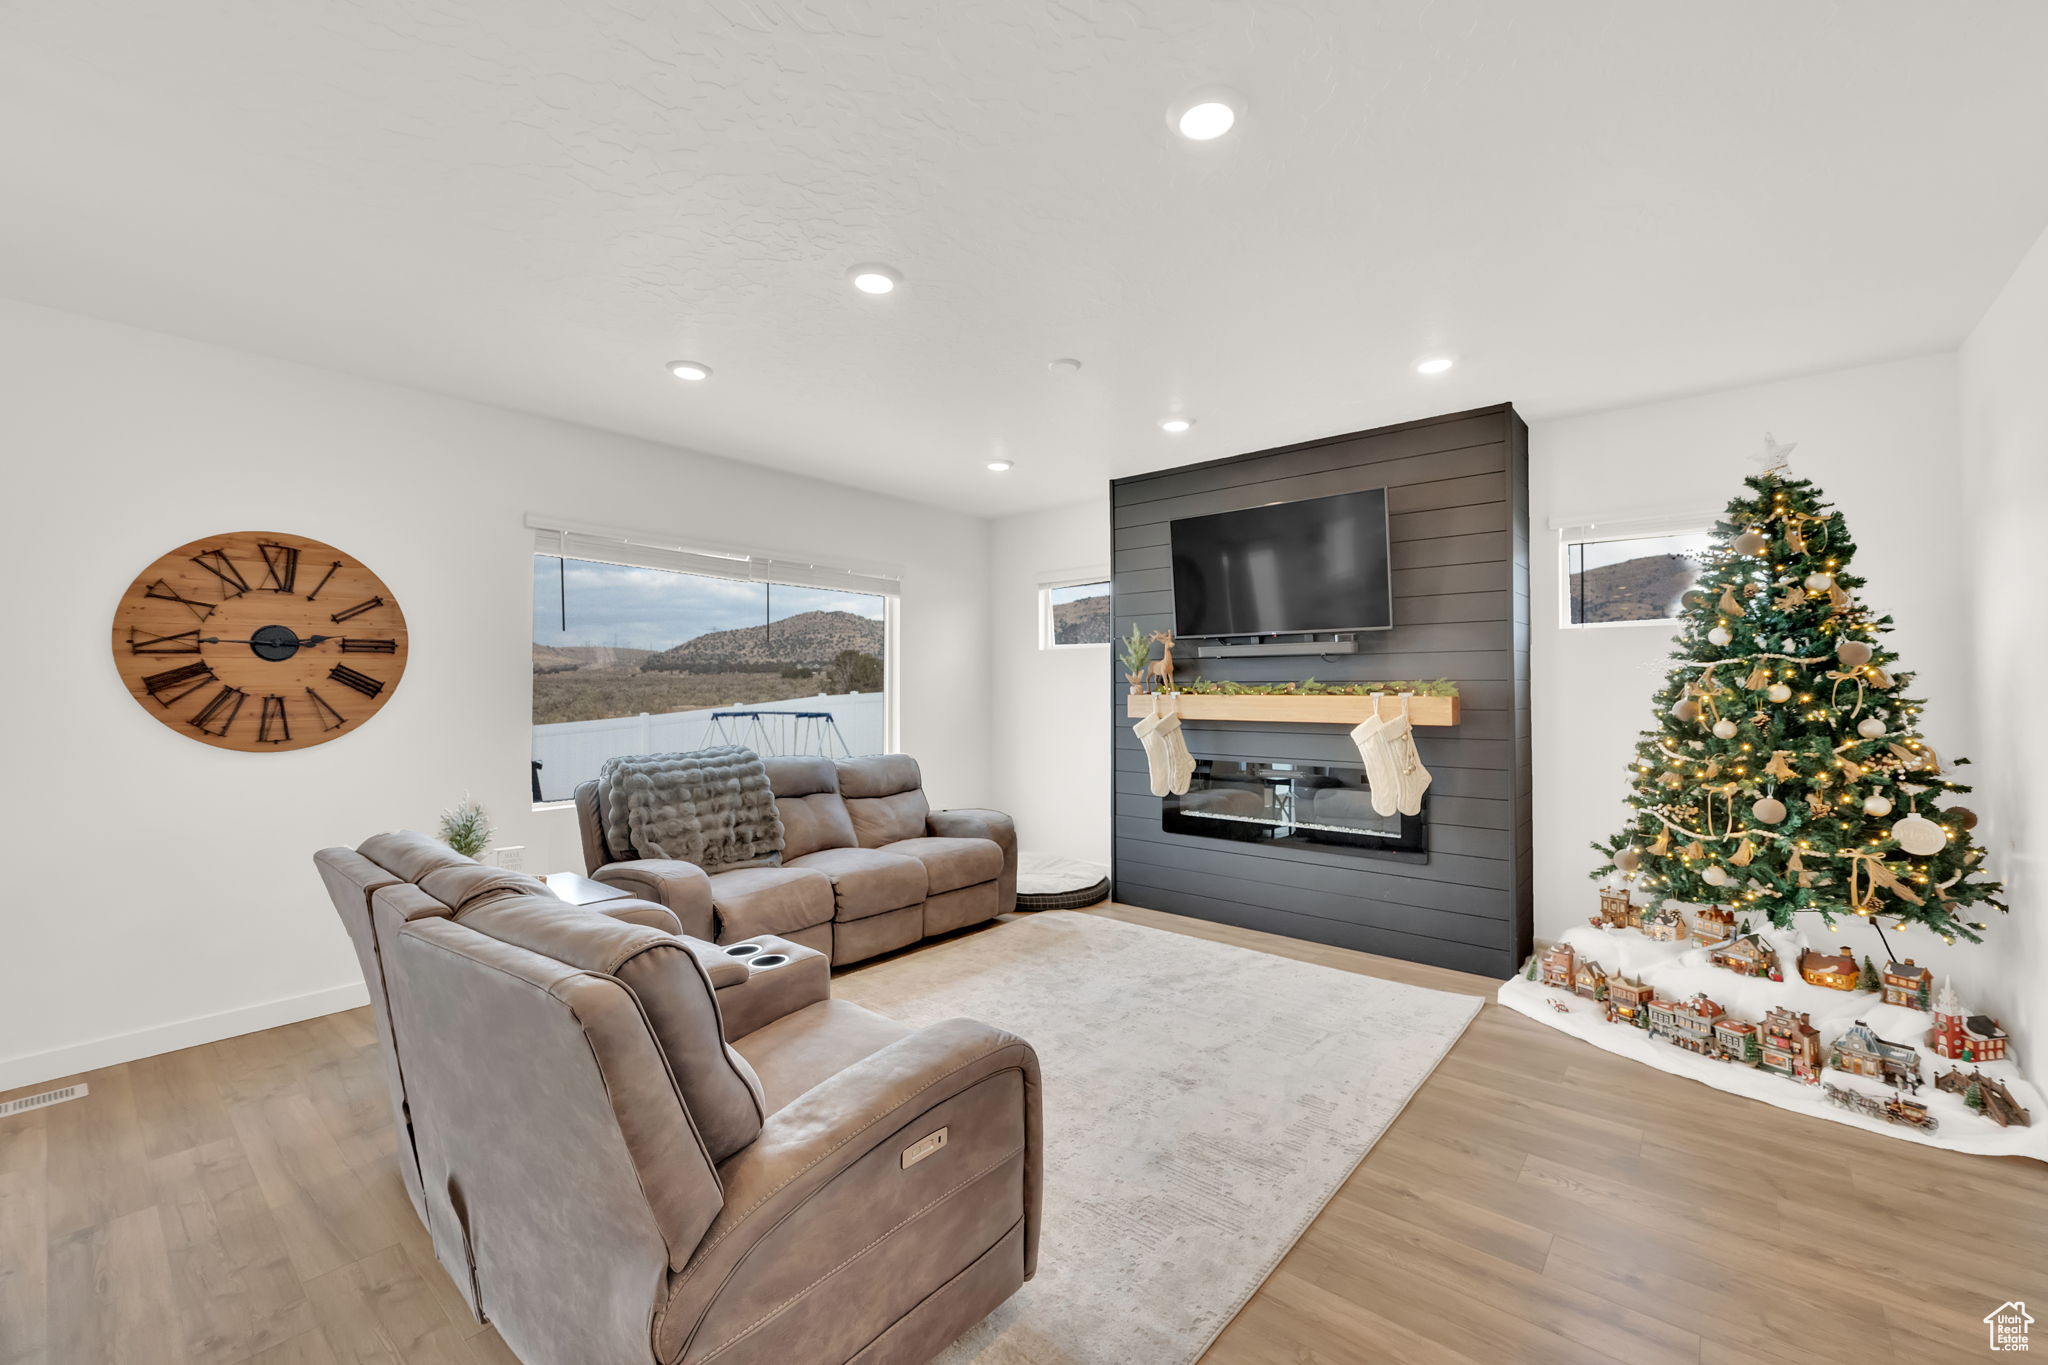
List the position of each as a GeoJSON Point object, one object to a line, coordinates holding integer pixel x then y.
{"type": "Point", "coordinates": [743, 950]}
{"type": "Point", "coordinates": [768, 960]}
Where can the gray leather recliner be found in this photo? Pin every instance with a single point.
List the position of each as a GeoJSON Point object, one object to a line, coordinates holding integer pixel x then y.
{"type": "Point", "coordinates": [633, 1146]}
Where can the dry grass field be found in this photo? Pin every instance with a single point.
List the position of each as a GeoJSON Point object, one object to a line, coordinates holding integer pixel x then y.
{"type": "Point", "coordinates": [602, 693]}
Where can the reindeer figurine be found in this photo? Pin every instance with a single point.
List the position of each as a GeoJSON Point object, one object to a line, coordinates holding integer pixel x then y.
{"type": "Point", "coordinates": [1160, 670]}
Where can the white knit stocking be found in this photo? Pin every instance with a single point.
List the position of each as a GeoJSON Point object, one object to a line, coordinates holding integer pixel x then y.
{"type": "Point", "coordinates": [1411, 779]}
{"type": "Point", "coordinates": [1148, 732]}
{"type": "Point", "coordinates": [1378, 760]}
{"type": "Point", "coordinates": [1180, 764]}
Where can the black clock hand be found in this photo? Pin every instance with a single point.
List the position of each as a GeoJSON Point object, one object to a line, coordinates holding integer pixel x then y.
{"type": "Point", "coordinates": [309, 640]}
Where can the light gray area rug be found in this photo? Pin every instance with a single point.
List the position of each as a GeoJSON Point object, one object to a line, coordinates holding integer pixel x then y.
{"type": "Point", "coordinates": [1202, 1104]}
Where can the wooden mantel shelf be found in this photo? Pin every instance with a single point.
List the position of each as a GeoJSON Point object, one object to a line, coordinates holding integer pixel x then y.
{"type": "Point", "coordinates": [1323, 709]}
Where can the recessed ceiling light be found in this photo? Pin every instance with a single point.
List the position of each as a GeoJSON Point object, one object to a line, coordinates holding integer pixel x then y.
{"type": "Point", "coordinates": [1435, 364]}
{"type": "Point", "coordinates": [1206, 114]}
{"type": "Point", "coordinates": [1001, 466]}
{"type": "Point", "coordinates": [1175, 425]}
{"type": "Point", "coordinates": [689, 369]}
{"type": "Point", "coordinates": [1064, 365]}
{"type": "Point", "coordinates": [874, 279]}
{"type": "Point", "coordinates": [1206, 121]}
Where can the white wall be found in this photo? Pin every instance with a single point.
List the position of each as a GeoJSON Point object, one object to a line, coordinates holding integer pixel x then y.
{"type": "Point", "coordinates": [1883, 443]}
{"type": "Point", "coordinates": [2005, 478]}
{"type": "Point", "coordinates": [1049, 718]}
{"type": "Point", "coordinates": [164, 892]}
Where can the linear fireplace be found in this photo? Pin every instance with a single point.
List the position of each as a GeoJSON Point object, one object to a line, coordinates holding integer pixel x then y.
{"type": "Point", "coordinates": [1325, 806]}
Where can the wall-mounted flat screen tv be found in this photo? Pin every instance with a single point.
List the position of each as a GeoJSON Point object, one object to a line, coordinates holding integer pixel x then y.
{"type": "Point", "coordinates": [1316, 566]}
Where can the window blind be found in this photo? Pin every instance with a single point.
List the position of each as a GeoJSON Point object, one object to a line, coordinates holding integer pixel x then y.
{"type": "Point", "coordinates": [1087, 573]}
{"type": "Point", "coordinates": [1635, 523]}
{"type": "Point", "coordinates": [653, 550]}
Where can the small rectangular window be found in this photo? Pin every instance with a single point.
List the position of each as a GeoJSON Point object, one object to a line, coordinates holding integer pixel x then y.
{"type": "Point", "coordinates": [1073, 614]}
{"type": "Point", "coordinates": [1632, 578]}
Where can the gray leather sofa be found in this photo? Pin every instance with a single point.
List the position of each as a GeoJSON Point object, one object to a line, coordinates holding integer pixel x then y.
{"type": "Point", "coordinates": [867, 865]}
{"type": "Point", "coordinates": [630, 1146]}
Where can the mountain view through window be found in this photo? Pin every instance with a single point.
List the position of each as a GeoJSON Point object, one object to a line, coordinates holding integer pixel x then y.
{"type": "Point", "coordinates": [632, 660]}
{"type": "Point", "coordinates": [1077, 614]}
{"type": "Point", "coordinates": [1635, 579]}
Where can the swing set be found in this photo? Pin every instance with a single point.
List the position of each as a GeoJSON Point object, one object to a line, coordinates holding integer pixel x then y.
{"type": "Point", "coordinates": [777, 733]}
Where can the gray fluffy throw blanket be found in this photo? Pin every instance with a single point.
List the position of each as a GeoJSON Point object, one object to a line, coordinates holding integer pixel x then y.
{"type": "Point", "coordinates": [712, 807]}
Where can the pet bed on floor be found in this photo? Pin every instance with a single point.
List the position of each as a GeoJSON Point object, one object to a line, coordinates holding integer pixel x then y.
{"type": "Point", "coordinates": [1047, 882]}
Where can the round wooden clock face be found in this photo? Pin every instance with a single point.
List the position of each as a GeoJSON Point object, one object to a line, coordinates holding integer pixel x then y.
{"type": "Point", "coordinates": [259, 642]}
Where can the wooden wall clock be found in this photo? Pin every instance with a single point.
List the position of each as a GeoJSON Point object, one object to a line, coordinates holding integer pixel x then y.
{"type": "Point", "coordinates": [259, 642]}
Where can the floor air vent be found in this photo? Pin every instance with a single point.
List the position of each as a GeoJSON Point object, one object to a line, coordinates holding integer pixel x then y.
{"type": "Point", "coordinates": [42, 1101]}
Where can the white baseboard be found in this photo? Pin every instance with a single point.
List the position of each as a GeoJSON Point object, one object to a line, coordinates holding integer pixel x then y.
{"type": "Point", "coordinates": [33, 1067]}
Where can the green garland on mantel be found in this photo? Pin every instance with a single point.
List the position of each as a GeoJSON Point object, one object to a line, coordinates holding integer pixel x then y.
{"type": "Point", "coordinates": [1211, 687]}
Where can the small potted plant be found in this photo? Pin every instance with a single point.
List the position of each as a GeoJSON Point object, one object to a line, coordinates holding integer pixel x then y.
{"type": "Point", "coordinates": [1135, 653]}
{"type": "Point", "coordinates": [466, 828]}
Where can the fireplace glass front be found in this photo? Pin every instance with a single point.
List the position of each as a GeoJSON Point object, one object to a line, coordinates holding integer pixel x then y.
{"type": "Point", "coordinates": [1323, 806]}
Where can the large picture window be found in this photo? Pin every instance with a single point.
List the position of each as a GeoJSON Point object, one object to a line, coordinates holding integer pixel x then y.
{"type": "Point", "coordinates": [630, 660]}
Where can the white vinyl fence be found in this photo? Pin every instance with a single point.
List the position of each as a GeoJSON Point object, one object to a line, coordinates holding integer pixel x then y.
{"type": "Point", "coordinates": [571, 752]}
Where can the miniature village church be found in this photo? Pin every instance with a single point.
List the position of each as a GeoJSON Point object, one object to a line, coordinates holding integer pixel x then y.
{"type": "Point", "coordinates": [1962, 1037]}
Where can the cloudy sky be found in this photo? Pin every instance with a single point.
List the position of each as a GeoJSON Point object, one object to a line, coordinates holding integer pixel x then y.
{"type": "Point", "coordinates": [611, 604]}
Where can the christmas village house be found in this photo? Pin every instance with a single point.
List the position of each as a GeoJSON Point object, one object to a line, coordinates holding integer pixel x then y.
{"type": "Point", "coordinates": [1664, 925]}
{"type": "Point", "coordinates": [1617, 911]}
{"type": "Point", "coordinates": [1905, 984]}
{"type": "Point", "coordinates": [1737, 1040]}
{"type": "Point", "coordinates": [1835, 971]}
{"type": "Point", "coordinates": [1713, 924]}
{"type": "Point", "coordinates": [1860, 1052]}
{"type": "Point", "coordinates": [1557, 966]}
{"type": "Point", "coordinates": [1627, 1000]}
{"type": "Point", "coordinates": [1962, 1037]}
{"type": "Point", "coordinates": [1685, 1023]}
{"type": "Point", "coordinates": [1746, 955]}
{"type": "Point", "coordinates": [1790, 1045]}
{"type": "Point", "coordinates": [1590, 980]}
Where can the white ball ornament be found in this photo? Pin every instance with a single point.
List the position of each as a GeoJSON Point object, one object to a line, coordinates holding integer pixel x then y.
{"type": "Point", "coordinates": [1870, 727]}
{"type": "Point", "coordinates": [1920, 836]}
{"type": "Point", "coordinates": [1715, 875]}
{"type": "Point", "coordinates": [1853, 653]}
{"type": "Point", "coordinates": [1819, 582]}
{"type": "Point", "coordinates": [1778, 692]}
{"type": "Point", "coordinates": [1719, 635]}
{"type": "Point", "coordinates": [1768, 809]}
{"type": "Point", "coordinates": [1751, 543]}
{"type": "Point", "coordinates": [1685, 708]}
{"type": "Point", "coordinates": [1724, 729]}
{"type": "Point", "coordinates": [1628, 859]}
{"type": "Point", "coordinates": [1877, 805]}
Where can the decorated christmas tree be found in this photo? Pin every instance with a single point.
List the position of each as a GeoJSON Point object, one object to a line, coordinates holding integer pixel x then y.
{"type": "Point", "coordinates": [1786, 772]}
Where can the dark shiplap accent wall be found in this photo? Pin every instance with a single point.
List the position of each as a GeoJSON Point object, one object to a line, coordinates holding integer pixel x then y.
{"type": "Point", "coordinates": [1458, 506]}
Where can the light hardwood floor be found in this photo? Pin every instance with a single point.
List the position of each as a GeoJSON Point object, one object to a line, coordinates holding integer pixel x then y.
{"type": "Point", "coordinates": [1538, 1200]}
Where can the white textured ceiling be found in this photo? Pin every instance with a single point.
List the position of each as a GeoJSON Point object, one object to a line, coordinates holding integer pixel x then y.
{"type": "Point", "coordinates": [538, 202]}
